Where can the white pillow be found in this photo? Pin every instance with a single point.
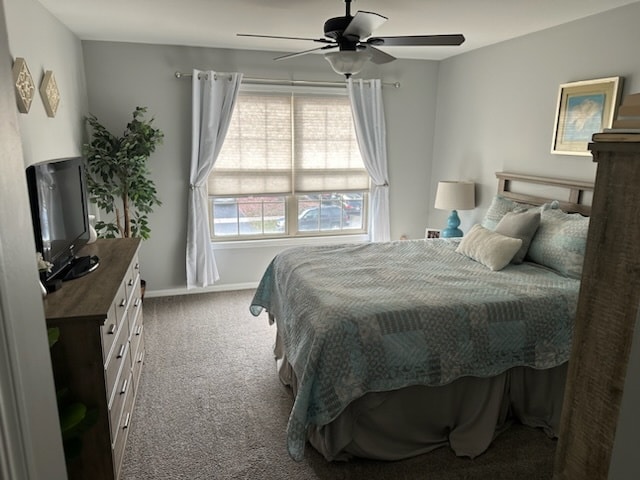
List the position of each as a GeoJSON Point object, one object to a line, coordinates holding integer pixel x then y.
{"type": "Point", "coordinates": [489, 248]}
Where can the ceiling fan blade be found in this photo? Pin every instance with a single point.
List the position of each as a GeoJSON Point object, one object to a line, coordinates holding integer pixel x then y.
{"type": "Point", "coordinates": [362, 24]}
{"type": "Point", "coordinates": [377, 56]}
{"type": "Point", "coordinates": [298, 54]}
{"type": "Point", "coordinates": [319, 40]}
{"type": "Point", "coordinates": [417, 40]}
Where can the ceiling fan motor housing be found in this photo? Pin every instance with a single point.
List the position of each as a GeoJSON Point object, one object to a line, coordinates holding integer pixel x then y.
{"type": "Point", "coordinates": [335, 27]}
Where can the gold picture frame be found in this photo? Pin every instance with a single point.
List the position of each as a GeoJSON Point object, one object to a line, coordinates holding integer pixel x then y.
{"type": "Point", "coordinates": [584, 108]}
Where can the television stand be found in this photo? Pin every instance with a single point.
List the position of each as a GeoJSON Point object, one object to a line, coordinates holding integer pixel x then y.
{"type": "Point", "coordinates": [80, 266]}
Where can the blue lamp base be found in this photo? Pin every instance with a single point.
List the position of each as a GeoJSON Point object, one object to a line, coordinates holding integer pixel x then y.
{"type": "Point", "coordinates": [452, 230]}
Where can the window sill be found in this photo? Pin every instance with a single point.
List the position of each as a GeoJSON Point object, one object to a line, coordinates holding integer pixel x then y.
{"type": "Point", "coordinates": [289, 242]}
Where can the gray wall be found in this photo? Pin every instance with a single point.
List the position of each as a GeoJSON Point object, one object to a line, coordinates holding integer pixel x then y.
{"type": "Point", "coordinates": [121, 76]}
{"type": "Point", "coordinates": [495, 111]}
{"type": "Point", "coordinates": [497, 105]}
{"type": "Point", "coordinates": [45, 44]}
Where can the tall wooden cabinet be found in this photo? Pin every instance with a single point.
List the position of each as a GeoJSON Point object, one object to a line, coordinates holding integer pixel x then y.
{"type": "Point", "coordinates": [608, 309]}
{"type": "Point", "coordinates": [100, 351]}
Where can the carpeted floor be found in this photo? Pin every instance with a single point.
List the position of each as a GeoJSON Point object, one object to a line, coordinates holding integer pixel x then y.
{"type": "Point", "coordinates": [210, 406]}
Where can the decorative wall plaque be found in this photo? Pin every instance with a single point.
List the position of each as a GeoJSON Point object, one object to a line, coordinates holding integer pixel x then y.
{"type": "Point", "coordinates": [24, 84]}
{"type": "Point", "coordinates": [50, 93]}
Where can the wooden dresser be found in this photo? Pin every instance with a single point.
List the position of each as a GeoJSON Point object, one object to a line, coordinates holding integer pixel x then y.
{"type": "Point", "coordinates": [100, 351]}
{"type": "Point", "coordinates": [606, 319]}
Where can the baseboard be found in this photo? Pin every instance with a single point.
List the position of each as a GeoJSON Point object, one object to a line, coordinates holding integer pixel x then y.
{"type": "Point", "coordinates": [169, 292]}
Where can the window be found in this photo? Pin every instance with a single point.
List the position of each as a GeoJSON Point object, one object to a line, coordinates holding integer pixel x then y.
{"type": "Point", "coordinates": [290, 166]}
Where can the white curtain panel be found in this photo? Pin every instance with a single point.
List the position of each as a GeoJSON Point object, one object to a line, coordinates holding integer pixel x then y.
{"type": "Point", "coordinates": [370, 126]}
{"type": "Point", "coordinates": [214, 96]}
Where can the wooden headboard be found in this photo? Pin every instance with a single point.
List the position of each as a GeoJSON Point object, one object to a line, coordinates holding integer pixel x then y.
{"type": "Point", "coordinates": [571, 194]}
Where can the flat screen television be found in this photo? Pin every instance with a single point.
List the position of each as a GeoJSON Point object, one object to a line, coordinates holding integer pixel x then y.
{"type": "Point", "coordinates": [59, 210]}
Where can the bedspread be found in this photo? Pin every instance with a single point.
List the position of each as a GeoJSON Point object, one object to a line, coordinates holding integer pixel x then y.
{"type": "Point", "coordinates": [382, 316]}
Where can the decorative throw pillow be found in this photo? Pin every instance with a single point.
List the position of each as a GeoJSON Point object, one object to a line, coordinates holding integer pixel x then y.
{"type": "Point", "coordinates": [501, 206]}
{"type": "Point", "coordinates": [489, 248]}
{"type": "Point", "coordinates": [522, 225]}
{"type": "Point", "coordinates": [498, 208]}
{"type": "Point", "coordinates": [560, 242]}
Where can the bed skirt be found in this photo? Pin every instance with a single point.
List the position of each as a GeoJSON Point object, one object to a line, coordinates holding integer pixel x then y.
{"type": "Point", "coordinates": [466, 414]}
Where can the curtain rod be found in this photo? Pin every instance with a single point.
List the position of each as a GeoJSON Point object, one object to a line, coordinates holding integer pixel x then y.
{"type": "Point", "coordinates": [271, 81]}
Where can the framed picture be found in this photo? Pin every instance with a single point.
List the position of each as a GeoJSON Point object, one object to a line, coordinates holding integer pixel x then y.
{"type": "Point", "coordinates": [431, 233]}
{"type": "Point", "coordinates": [584, 108]}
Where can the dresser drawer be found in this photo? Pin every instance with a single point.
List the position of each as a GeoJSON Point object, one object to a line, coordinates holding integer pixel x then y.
{"type": "Point", "coordinates": [137, 360]}
{"type": "Point", "coordinates": [134, 310]}
{"type": "Point", "coordinates": [120, 439]}
{"type": "Point", "coordinates": [111, 327]}
{"type": "Point", "coordinates": [120, 302]}
{"type": "Point", "coordinates": [118, 360]}
{"type": "Point", "coordinates": [116, 407]}
{"type": "Point", "coordinates": [132, 279]}
{"type": "Point", "coordinates": [108, 332]}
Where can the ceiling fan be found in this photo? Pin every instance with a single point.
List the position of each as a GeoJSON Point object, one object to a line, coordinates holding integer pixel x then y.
{"type": "Point", "coordinates": [351, 35]}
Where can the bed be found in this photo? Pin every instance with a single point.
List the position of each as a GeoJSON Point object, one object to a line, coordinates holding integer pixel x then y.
{"type": "Point", "coordinates": [398, 348]}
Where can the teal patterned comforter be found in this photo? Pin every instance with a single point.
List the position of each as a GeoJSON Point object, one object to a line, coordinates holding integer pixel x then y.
{"type": "Point", "coordinates": [382, 316]}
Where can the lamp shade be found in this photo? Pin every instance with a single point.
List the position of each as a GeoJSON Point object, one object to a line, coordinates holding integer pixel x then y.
{"type": "Point", "coordinates": [347, 62]}
{"type": "Point", "coordinates": [452, 195]}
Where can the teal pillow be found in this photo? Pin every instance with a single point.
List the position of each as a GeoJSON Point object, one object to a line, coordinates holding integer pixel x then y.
{"type": "Point", "coordinates": [498, 208]}
{"type": "Point", "coordinates": [560, 242]}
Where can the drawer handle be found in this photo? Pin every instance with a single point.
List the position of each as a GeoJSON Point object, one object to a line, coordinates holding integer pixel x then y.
{"type": "Point", "coordinates": [140, 357]}
{"type": "Point", "coordinates": [125, 425]}
{"type": "Point", "coordinates": [137, 267]}
{"type": "Point", "coordinates": [130, 282]}
{"type": "Point", "coordinates": [121, 351]}
{"type": "Point", "coordinates": [138, 330]}
{"type": "Point", "coordinates": [125, 384]}
{"type": "Point", "coordinates": [136, 304]}
{"type": "Point", "coordinates": [112, 329]}
{"type": "Point", "coordinates": [123, 302]}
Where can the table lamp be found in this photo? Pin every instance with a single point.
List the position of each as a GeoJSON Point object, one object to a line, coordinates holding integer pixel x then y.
{"type": "Point", "coordinates": [454, 196]}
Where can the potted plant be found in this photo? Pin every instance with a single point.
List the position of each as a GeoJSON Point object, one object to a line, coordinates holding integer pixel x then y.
{"type": "Point", "coordinates": [118, 178]}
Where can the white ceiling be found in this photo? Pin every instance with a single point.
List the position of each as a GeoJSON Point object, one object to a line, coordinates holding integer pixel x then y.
{"type": "Point", "coordinates": [214, 23]}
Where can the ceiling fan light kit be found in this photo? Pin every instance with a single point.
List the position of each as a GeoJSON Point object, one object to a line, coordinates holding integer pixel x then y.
{"type": "Point", "coordinates": [347, 62]}
{"type": "Point", "coordinates": [351, 35]}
